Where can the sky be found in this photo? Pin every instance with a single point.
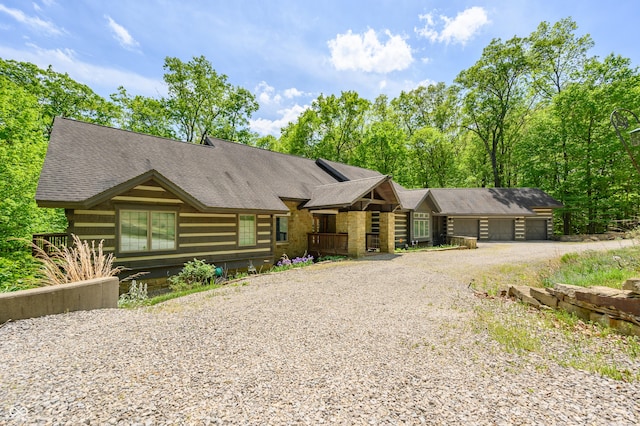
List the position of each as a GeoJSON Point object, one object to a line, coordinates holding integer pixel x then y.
{"type": "Point", "coordinates": [288, 52]}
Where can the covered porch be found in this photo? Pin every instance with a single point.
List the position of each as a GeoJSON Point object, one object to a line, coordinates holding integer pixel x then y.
{"type": "Point", "coordinates": [353, 218]}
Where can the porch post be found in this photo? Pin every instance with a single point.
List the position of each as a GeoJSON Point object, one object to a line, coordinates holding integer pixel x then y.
{"type": "Point", "coordinates": [357, 228]}
{"type": "Point", "coordinates": [387, 232]}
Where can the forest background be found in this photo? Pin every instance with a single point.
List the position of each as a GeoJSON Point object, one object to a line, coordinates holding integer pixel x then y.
{"type": "Point", "coordinates": [533, 111]}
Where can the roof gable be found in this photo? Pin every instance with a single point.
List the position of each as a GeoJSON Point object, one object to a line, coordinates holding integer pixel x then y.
{"type": "Point", "coordinates": [345, 194]}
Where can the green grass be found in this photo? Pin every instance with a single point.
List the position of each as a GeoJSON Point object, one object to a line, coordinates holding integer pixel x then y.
{"type": "Point", "coordinates": [168, 296]}
{"type": "Point", "coordinates": [607, 268]}
{"type": "Point", "coordinates": [561, 338]}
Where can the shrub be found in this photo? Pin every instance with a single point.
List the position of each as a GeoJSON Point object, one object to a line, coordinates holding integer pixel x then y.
{"type": "Point", "coordinates": [78, 263]}
{"type": "Point", "coordinates": [18, 271]}
{"type": "Point", "coordinates": [136, 295]}
{"type": "Point", "coordinates": [195, 273]}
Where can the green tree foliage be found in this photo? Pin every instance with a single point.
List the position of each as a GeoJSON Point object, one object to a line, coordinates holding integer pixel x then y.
{"type": "Point", "coordinates": [202, 102]}
{"type": "Point", "coordinates": [495, 104]}
{"type": "Point", "coordinates": [22, 149]}
{"type": "Point", "coordinates": [331, 128]}
{"type": "Point", "coordinates": [142, 114]}
{"type": "Point", "coordinates": [58, 94]}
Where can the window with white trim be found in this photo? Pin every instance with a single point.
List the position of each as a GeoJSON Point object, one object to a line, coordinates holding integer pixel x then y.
{"type": "Point", "coordinates": [246, 230]}
{"type": "Point", "coordinates": [142, 230]}
{"type": "Point", "coordinates": [282, 229]}
{"type": "Point", "coordinates": [420, 225]}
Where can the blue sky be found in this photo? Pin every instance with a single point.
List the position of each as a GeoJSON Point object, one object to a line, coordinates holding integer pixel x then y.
{"type": "Point", "coordinates": [288, 52]}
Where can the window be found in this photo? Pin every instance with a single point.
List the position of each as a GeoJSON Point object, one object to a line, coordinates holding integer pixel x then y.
{"type": "Point", "coordinates": [282, 228]}
{"type": "Point", "coordinates": [247, 230]}
{"type": "Point", "coordinates": [147, 230]}
{"type": "Point", "coordinates": [420, 225]}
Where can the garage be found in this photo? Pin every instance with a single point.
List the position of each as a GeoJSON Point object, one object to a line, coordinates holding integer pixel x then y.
{"type": "Point", "coordinates": [536, 229]}
{"type": "Point", "coordinates": [466, 227]}
{"type": "Point", "coordinates": [502, 229]}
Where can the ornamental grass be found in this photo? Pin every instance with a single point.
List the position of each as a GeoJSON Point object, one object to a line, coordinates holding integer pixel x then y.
{"type": "Point", "coordinates": [81, 262]}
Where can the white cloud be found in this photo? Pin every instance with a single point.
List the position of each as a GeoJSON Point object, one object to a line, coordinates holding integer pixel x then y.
{"type": "Point", "coordinates": [34, 22]}
{"type": "Point", "coordinates": [272, 127]}
{"type": "Point", "coordinates": [121, 34]}
{"type": "Point", "coordinates": [382, 84]}
{"type": "Point", "coordinates": [267, 94]}
{"type": "Point", "coordinates": [364, 52]}
{"type": "Point", "coordinates": [95, 76]}
{"type": "Point", "coordinates": [460, 29]}
{"type": "Point", "coordinates": [292, 93]}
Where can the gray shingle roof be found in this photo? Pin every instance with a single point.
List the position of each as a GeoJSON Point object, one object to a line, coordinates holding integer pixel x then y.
{"type": "Point", "coordinates": [491, 201]}
{"type": "Point", "coordinates": [86, 161]}
{"type": "Point", "coordinates": [343, 194]}
{"type": "Point", "coordinates": [410, 199]}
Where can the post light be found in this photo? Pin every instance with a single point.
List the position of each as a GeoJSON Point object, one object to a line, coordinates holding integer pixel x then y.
{"type": "Point", "coordinates": [623, 119]}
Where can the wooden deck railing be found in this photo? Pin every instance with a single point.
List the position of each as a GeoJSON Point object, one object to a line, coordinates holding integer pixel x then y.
{"type": "Point", "coordinates": [324, 244]}
{"type": "Point", "coordinates": [46, 241]}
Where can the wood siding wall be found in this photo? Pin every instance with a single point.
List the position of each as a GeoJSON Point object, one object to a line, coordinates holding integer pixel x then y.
{"type": "Point", "coordinates": [401, 228]}
{"type": "Point", "coordinates": [209, 236]}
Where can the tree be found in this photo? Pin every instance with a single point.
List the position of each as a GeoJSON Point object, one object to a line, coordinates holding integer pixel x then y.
{"type": "Point", "coordinates": [201, 102]}
{"type": "Point", "coordinates": [22, 149]}
{"type": "Point", "coordinates": [58, 94]}
{"type": "Point", "coordinates": [495, 104]}
{"type": "Point", "coordinates": [142, 114]}
{"type": "Point", "coordinates": [331, 128]}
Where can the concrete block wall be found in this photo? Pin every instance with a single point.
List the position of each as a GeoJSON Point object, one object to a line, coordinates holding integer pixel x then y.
{"type": "Point", "coordinates": [98, 293]}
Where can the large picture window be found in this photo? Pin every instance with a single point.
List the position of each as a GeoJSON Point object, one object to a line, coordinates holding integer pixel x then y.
{"type": "Point", "coordinates": [282, 229]}
{"type": "Point", "coordinates": [420, 225]}
{"type": "Point", "coordinates": [147, 230]}
{"type": "Point", "coordinates": [247, 230]}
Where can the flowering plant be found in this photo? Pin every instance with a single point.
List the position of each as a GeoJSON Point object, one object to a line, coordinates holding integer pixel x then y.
{"type": "Point", "coordinates": [286, 263]}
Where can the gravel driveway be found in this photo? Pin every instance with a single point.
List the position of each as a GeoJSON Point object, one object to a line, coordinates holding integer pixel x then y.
{"type": "Point", "coordinates": [384, 340]}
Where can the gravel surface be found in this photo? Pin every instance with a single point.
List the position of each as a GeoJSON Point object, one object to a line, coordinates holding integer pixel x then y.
{"type": "Point", "coordinates": [384, 340]}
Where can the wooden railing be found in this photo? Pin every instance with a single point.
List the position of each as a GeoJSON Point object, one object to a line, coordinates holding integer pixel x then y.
{"type": "Point", "coordinates": [324, 244]}
{"type": "Point", "coordinates": [47, 241]}
{"type": "Point", "coordinates": [373, 242]}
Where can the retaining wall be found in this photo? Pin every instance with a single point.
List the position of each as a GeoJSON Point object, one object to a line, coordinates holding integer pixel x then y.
{"type": "Point", "coordinates": [98, 293]}
{"type": "Point", "coordinates": [619, 309]}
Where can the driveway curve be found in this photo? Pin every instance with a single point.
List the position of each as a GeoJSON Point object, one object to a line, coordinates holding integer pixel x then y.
{"type": "Point", "coordinates": [389, 339]}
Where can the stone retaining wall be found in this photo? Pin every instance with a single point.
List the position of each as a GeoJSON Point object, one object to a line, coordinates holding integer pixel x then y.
{"type": "Point", "coordinates": [618, 309]}
{"type": "Point", "coordinates": [98, 293]}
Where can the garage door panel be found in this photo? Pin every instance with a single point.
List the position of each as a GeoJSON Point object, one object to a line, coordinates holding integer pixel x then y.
{"type": "Point", "coordinates": [502, 229]}
{"type": "Point", "coordinates": [536, 229]}
{"type": "Point", "coordinates": [466, 227]}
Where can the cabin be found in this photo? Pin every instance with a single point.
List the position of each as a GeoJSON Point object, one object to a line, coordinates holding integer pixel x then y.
{"type": "Point", "coordinates": [158, 203]}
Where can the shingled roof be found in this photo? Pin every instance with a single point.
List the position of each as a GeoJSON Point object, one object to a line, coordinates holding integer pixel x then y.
{"type": "Point", "coordinates": [88, 163]}
{"type": "Point", "coordinates": [343, 194]}
{"type": "Point", "coordinates": [491, 201]}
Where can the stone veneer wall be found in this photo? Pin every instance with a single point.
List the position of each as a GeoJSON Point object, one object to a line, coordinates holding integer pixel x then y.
{"type": "Point", "coordinates": [300, 224]}
{"type": "Point", "coordinates": [387, 232]}
{"type": "Point", "coordinates": [357, 229]}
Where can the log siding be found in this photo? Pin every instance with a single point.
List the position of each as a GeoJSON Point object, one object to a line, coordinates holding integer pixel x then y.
{"type": "Point", "coordinates": [211, 236]}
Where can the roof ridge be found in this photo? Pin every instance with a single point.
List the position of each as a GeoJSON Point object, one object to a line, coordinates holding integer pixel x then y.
{"type": "Point", "coordinates": [118, 129]}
